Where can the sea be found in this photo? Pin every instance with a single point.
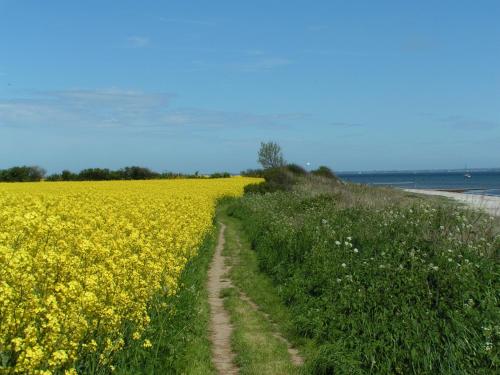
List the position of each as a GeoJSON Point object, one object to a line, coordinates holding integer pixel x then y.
{"type": "Point", "coordinates": [472, 182]}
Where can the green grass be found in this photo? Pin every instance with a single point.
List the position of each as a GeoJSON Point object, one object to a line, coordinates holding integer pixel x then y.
{"type": "Point", "coordinates": [397, 284]}
{"type": "Point", "coordinates": [257, 349]}
{"type": "Point", "coordinates": [179, 333]}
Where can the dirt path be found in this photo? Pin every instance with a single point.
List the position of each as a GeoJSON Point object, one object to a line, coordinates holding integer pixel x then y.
{"type": "Point", "coordinates": [220, 324]}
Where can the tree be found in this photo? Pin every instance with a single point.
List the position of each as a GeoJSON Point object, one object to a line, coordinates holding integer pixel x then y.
{"type": "Point", "coordinates": [68, 175]}
{"type": "Point", "coordinates": [22, 174]}
{"type": "Point", "coordinates": [270, 155]}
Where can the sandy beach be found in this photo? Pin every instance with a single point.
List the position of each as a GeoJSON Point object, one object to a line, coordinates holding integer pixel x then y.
{"type": "Point", "coordinates": [487, 203]}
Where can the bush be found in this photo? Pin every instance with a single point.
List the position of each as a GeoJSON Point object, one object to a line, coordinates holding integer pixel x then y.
{"type": "Point", "coordinates": [276, 179]}
{"type": "Point", "coordinates": [259, 173]}
{"type": "Point", "coordinates": [296, 169]}
{"type": "Point", "coordinates": [401, 289]}
{"type": "Point", "coordinates": [324, 172]}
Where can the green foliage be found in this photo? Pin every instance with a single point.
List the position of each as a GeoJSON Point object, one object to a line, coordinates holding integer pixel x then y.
{"type": "Point", "coordinates": [220, 175]}
{"type": "Point", "coordinates": [22, 174]}
{"type": "Point", "coordinates": [270, 155]}
{"type": "Point", "coordinates": [324, 172]}
{"type": "Point", "coordinates": [253, 173]}
{"type": "Point", "coordinates": [404, 290]}
{"type": "Point", "coordinates": [333, 359]}
{"type": "Point", "coordinates": [276, 179]}
{"type": "Point", "coordinates": [178, 331]}
{"type": "Point", "coordinates": [127, 173]}
{"type": "Point", "coordinates": [296, 169]}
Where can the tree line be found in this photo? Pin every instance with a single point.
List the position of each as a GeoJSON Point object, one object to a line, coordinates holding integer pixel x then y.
{"type": "Point", "coordinates": [35, 173]}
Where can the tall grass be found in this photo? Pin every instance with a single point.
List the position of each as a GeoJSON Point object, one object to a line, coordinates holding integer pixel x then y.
{"type": "Point", "coordinates": [178, 330]}
{"type": "Point", "coordinates": [380, 281]}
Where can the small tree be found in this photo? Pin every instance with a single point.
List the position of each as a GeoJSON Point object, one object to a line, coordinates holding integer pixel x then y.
{"type": "Point", "coordinates": [270, 155]}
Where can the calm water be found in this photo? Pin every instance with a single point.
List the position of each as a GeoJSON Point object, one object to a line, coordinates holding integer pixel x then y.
{"type": "Point", "coordinates": [487, 183]}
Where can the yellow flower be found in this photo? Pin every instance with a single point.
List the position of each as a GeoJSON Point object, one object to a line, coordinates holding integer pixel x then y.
{"type": "Point", "coordinates": [147, 344]}
{"type": "Point", "coordinates": [96, 253]}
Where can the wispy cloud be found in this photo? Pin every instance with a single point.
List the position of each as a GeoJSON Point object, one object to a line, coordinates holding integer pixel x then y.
{"type": "Point", "coordinates": [261, 64]}
{"type": "Point", "coordinates": [209, 119]}
{"type": "Point", "coordinates": [419, 44]}
{"type": "Point", "coordinates": [346, 124]}
{"type": "Point", "coordinates": [82, 108]}
{"type": "Point", "coordinates": [136, 41]}
{"type": "Point", "coordinates": [465, 123]}
{"type": "Point", "coordinates": [130, 110]}
{"type": "Point", "coordinates": [242, 61]}
{"type": "Point", "coordinates": [187, 21]}
{"type": "Point", "coordinates": [254, 52]}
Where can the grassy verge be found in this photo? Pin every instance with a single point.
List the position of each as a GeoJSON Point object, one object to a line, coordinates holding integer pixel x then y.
{"type": "Point", "coordinates": [258, 350]}
{"type": "Point", "coordinates": [178, 330]}
{"type": "Point", "coordinates": [380, 284]}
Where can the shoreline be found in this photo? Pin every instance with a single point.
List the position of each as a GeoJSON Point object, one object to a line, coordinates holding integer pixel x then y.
{"type": "Point", "coordinates": [488, 203]}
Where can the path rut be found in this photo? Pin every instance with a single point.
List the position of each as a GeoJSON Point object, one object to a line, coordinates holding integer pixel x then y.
{"type": "Point", "coordinates": [220, 323]}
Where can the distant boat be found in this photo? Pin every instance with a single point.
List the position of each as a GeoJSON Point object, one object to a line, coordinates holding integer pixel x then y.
{"type": "Point", "coordinates": [467, 173]}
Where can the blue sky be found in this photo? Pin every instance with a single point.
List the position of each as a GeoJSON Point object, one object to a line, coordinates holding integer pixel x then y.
{"type": "Point", "coordinates": [196, 85]}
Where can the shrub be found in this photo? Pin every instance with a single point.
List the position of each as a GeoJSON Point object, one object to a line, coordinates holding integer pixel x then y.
{"type": "Point", "coordinates": [296, 169]}
{"type": "Point", "coordinates": [259, 173]}
{"type": "Point", "coordinates": [324, 172]}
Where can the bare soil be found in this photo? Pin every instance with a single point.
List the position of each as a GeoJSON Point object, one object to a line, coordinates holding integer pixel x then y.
{"type": "Point", "coordinates": [220, 323]}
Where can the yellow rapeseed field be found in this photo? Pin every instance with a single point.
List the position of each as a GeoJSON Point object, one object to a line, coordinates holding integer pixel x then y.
{"type": "Point", "coordinates": [79, 261]}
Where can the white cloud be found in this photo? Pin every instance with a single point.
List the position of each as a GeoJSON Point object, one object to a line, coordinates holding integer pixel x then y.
{"type": "Point", "coordinates": [125, 110]}
{"type": "Point", "coordinates": [136, 41]}
{"type": "Point", "coordinates": [82, 108]}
